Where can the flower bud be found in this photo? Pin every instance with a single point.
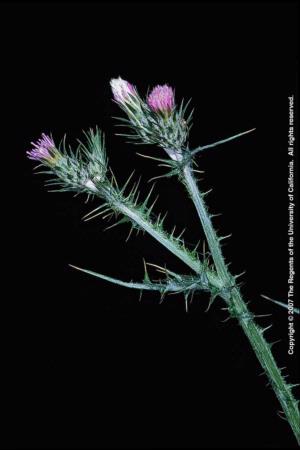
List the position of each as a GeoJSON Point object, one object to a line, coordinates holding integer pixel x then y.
{"type": "Point", "coordinates": [122, 90]}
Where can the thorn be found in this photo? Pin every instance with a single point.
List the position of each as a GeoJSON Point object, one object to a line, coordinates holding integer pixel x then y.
{"type": "Point", "coordinates": [239, 275]}
{"type": "Point", "coordinates": [165, 271]}
{"type": "Point", "coordinates": [176, 292]}
{"type": "Point", "coordinates": [226, 320]}
{"type": "Point", "coordinates": [281, 417]}
{"type": "Point", "coordinates": [114, 181]}
{"type": "Point", "coordinates": [196, 246]}
{"type": "Point", "coordinates": [151, 207]}
{"type": "Point", "coordinates": [146, 275]}
{"type": "Point", "coordinates": [265, 329]}
{"type": "Point", "coordinates": [166, 175]}
{"type": "Point", "coordinates": [162, 296]}
{"type": "Point", "coordinates": [186, 303]}
{"type": "Point", "coordinates": [173, 231]}
{"type": "Point", "coordinates": [211, 300]}
{"type": "Point", "coordinates": [92, 217]}
{"type": "Point", "coordinates": [203, 248]}
{"type": "Point", "coordinates": [221, 238]}
{"type": "Point", "coordinates": [123, 220]}
{"type": "Point", "coordinates": [163, 219]}
{"type": "Point", "coordinates": [129, 234]}
{"type": "Point", "coordinates": [164, 165]}
{"type": "Point", "coordinates": [275, 342]}
{"type": "Point", "coordinates": [192, 296]}
{"type": "Point", "coordinates": [94, 210]}
{"type": "Point", "coordinates": [160, 269]}
{"type": "Point", "coordinates": [204, 194]}
{"type": "Point", "coordinates": [127, 182]}
{"type": "Point", "coordinates": [151, 157]}
{"type": "Point", "coordinates": [259, 316]}
{"type": "Point", "coordinates": [148, 196]}
{"type": "Point", "coordinates": [109, 216]}
{"type": "Point", "coordinates": [178, 237]}
{"type": "Point", "coordinates": [133, 191]}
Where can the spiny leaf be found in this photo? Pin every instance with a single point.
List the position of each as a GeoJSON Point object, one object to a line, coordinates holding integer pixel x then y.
{"type": "Point", "coordinates": [223, 141]}
{"type": "Point", "coordinates": [284, 305]}
{"type": "Point", "coordinates": [128, 284]}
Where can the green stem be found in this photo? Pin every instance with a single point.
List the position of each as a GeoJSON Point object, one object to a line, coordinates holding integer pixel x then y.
{"type": "Point", "coordinates": [210, 233]}
{"type": "Point", "coordinates": [167, 242]}
{"type": "Point", "coordinates": [121, 205]}
{"type": "Point", "coordinates": [223, 283]}
{"type": "Point", "coordinates": [239, 310]}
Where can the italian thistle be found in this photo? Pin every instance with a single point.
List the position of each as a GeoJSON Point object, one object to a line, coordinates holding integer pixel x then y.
{"type": "Point", "coordinates": [158, 120]}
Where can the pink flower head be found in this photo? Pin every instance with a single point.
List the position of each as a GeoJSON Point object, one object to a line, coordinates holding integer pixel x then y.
{"type": "Point", "coordinates": [161, 99]}
{"type": "Point", "coordinates": [42, 149]}
{"type": "Point", "coordinates": [122, 90]}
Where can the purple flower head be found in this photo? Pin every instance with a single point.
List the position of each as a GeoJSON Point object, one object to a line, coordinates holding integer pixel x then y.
{"type": "Point", "coordinates": [42, 149]}
{"type": "Point", "coordinates": [161, 99]}
{"type": "Point", "coordinates": [122, 90]}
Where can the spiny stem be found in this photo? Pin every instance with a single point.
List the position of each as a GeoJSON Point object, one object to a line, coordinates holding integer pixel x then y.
{"type": "Point", "coordinates": [264, 354]}
{"type": "Point", "coordinates": [239, 310]}
{"type": "Point", "coordinates": [141, 217]}
{"type": "Point", "coordinates": [165, 240]}
{"type": "Point", "coordinates": [210, 233]}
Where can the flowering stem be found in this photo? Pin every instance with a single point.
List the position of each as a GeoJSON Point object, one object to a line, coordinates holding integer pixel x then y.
{"type": "Point", "coordinates": [239, 310]}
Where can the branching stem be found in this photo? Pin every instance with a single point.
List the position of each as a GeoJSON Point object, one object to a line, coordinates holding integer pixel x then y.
{"type": "Point", "coordinates": [165, 240]}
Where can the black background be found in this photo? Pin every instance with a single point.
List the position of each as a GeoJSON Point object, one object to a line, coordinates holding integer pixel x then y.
{"type": "Point", "coordinates": [86, 364]}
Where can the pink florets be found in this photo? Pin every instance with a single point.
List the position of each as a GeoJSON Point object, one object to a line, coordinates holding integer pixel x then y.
{"type": "Point", "coordinates": [122, 90]}
{"type": "Point", "coordinates": [161, 99]}
{"type": "Point", "coordinates": [42, 149]}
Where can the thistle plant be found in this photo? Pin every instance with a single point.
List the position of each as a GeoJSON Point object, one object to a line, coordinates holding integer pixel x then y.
{"type": "Point", "coordinates": [157, 120]}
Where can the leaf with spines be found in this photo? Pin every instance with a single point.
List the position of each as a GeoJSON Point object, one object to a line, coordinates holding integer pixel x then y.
{"type": "Point", "coordinates": [283, 305]}
{"type": "Point", "coordinates": [172, 284]}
